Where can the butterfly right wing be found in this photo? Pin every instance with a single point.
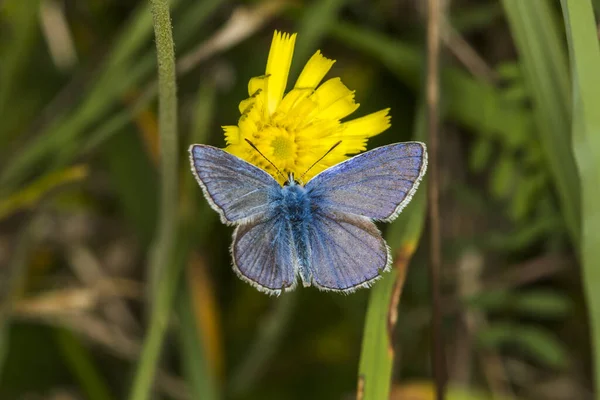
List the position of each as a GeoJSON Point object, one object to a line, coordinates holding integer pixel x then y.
{"type": "Point", "coordinates": [346, 252]}
{"type": "Point", "coordinates": [264, 256]}
{"type": "Point", "coordinates": [236, 189]}
{"type": "Point", "coordinates": [377, 184]}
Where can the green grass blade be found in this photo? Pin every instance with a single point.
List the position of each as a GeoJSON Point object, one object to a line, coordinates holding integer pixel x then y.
{"type": "Point", "coordinates": [160, 317]}
{"type": "Point", "coordinates": [377, 352]}
{"type": "Point", "coordinates": [82, 366]}
{"type": "Point", "coordinates": [545, 68]}
{"type": "Point", "coordinates": [584, 53]}
{"type": "Point", "coordinates": [24, 24]}
{"type": "Point", "coordinates": [265, 345]}
{"type": "Point", "coordinates": [196, 366]}
{"type": "Point", "coordinates": [167, 125]}
{"type": "Point", "coordinates": [162, 275]}
{"type": "Point", "coordinates": [475, 17]}
{"type": "Point", "coordinates": [133, 177]}
{"type": "Point", "coordinates": [194, 356]}
{"type": "Point", "coordinates": [18, 269]}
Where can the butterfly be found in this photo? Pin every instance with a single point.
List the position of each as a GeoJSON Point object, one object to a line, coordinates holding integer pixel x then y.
{"type": "Point", "coordinates": [323, 232]}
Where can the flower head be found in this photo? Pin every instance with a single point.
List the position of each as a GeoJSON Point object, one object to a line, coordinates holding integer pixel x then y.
{"type": "Point", "coordinates": [296, 129]}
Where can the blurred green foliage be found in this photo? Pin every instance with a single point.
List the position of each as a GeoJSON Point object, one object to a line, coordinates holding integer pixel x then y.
{"type": "Point", "coordinates": [79, 204]}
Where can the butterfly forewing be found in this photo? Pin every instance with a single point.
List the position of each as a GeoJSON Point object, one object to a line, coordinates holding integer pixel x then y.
{"type": "Point", "coordinates": [237, 190]}
{"type": "Point", "coordinates": [263, 255]}
{"type": "Point", "coordinates": [376, 184]}
{"type": "Point", "coordinates": [346, 252]}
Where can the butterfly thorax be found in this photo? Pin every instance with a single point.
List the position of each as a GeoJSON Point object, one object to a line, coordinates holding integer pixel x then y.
{"type": "Point", "coordinates": [295, 203]}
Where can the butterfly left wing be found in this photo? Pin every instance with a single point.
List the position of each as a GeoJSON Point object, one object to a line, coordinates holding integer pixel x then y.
{"type": "Point", "coordinates": [263, 255]}
{"type": "Point", "coordinates": [236, 189]}
{"type": "Point", "coordinates": [346, 252]}
{"type": "Point", "coordinates": [377, 184]}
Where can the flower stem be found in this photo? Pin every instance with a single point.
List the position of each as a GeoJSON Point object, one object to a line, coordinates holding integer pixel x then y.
{"type": "Point", "coordinates": [162, 249]}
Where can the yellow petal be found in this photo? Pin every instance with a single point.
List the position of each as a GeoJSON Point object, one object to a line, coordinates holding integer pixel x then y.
{"type": "Point", "coordinates": [330, 92]}
{"type": "Point", "coordinates": [299, 115]}
{"type": "Point", "coordinates": [314, 71]}
{"type": "Point", "coordinates": [257, 83]}
{"type": "Point", "coordinates": [246, 104]}
{"type": "Point", "coordinates": [292, 99]}
{"type": "Point", "coordinates": [340, 109]}
{"type": "Point", "coordinates": [367, 126]}
{"type": "Point", "coordinates": [278, 68]}
{"type": "Point", "coordinates": [317, 134]}
{"type": "Point", "coordinates": [248, 126]}
{"type": "Point", "coordinates": [352, 145]}
{"type": "Point", "coordinates": [232, 134]}
{"type": "Point", "coordinates": [236, 149]}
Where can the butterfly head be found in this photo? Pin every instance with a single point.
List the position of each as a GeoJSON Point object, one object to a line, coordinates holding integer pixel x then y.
{"type": "Point", "coordinates": [291, 181]}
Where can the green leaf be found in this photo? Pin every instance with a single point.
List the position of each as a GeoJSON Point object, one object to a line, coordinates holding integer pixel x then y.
{"type": "Point", "coordinates": [536, 303]}
{"type": "Point", "coordinates": [480, 154]}
{"type": "Point", "coordinates": [542, 303]}
{"type": "Point", "coordinates": [503, 176]}
{"type": "Point", "coordinates": [474, 104]}
{"type": "Point", "coordinates": [537, 342]}
{"type": "Point", "coordinates": [584, 53]}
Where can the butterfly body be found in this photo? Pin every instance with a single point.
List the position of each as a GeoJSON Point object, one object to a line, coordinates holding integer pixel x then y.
{"type": "Point", "coordinates": [294, 208]}
{"type": "Point", "coordinates": [321, 232]}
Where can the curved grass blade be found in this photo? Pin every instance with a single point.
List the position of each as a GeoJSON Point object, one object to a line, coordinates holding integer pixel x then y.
{"type": "Point", "coordinates": [584, 54]}
{"type": "Point", "coordinates": [377, 352]}
{"type": "Point", "coordinates": [544, 63]}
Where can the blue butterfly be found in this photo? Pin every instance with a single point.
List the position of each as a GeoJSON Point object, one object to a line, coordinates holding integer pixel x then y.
{"type": "Point", "coordinates": [322, 231]}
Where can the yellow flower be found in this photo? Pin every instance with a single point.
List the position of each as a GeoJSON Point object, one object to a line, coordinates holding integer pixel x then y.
{"type": "Point", "coordinates": [295, 130]}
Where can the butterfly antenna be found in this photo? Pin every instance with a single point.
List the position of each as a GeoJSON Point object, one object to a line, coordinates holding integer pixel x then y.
{"type": "Point", "coordinates": [324, 155]}
{"type": "Point", "coordinates": [265, 157]}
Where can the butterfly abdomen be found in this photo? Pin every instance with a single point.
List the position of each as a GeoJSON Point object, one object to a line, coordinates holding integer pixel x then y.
{"type": "Point", "coordinates": [296, 205]}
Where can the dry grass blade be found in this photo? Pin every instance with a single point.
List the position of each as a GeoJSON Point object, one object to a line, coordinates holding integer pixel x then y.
{"type": "Point", "coordinates": [434, 22]}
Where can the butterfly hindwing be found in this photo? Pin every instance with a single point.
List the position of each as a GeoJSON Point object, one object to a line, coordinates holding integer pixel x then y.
{"type": "Point", "coordinates": [346, 252]}
{"type": "Point", "coordinates": [236, 189]}
{"type": "Point", "coordinates": [263, 255]}
{"type": "Point", "coordinates": [376, 184]}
